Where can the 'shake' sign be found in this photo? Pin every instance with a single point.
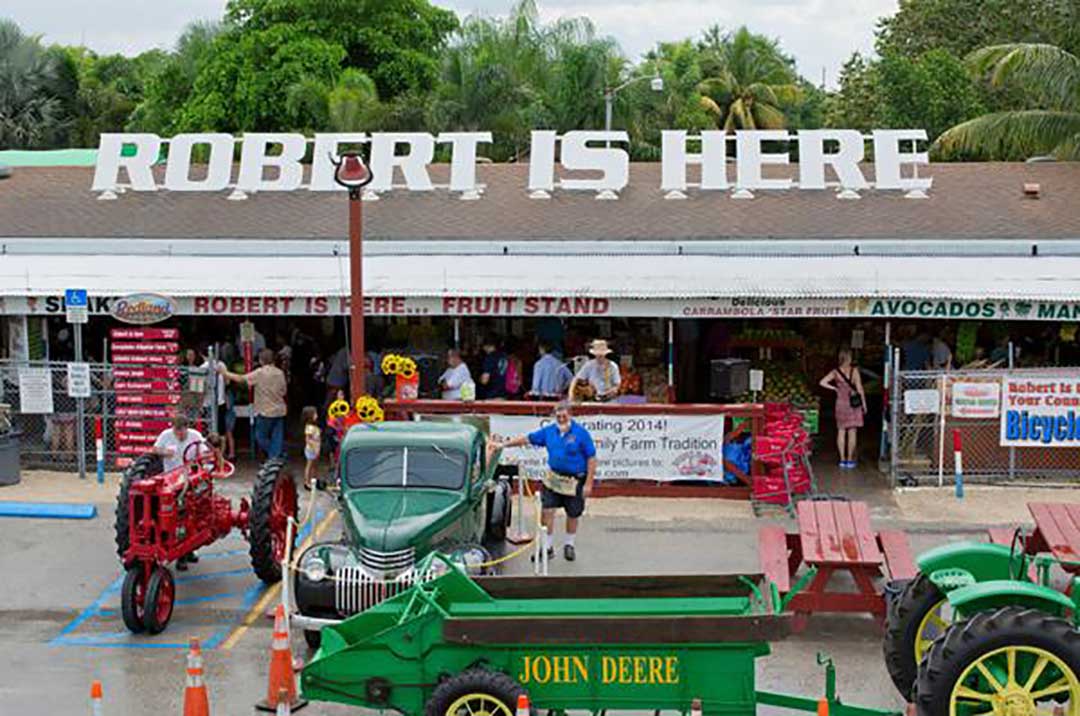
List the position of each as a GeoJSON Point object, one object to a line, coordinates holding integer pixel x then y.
{"type": "Point", "coordinates": [587, 161]}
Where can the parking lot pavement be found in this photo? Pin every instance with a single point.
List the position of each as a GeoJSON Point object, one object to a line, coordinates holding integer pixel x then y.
{"type": "Point", "coordinates": [59, 573]}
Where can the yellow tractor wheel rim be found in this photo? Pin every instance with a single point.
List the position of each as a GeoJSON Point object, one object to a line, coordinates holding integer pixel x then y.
{"type": "Point", "coordinates": [933, 625]}
{"type": "Point", "coordinates": [478, 705]}
{"type": "Point", "coordinates": [1016, 681]}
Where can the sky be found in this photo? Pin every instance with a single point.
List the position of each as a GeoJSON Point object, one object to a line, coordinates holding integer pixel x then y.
{"type": "Point", "coordinates": [820, 34]}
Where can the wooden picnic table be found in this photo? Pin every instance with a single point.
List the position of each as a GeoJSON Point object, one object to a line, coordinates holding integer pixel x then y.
{"type": "Point", "coordinates": [835, 538]}
{"type": "Point", "coordinates": [1057, 531]}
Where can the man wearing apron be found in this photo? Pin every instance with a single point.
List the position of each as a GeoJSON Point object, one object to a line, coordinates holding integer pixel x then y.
{"type": "Point", "coordinates": [569, 478]}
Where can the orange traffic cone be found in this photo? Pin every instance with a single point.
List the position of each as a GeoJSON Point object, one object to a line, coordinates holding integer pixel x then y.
{"type": "Point", "coordinates": [523, 708]}
{"type": "Point", "coordinates": [281, 669]}
{"type": "Point", "coordinates": [283, 706]}
{"type": "Point", "coordinates": [95, 698]}
{"type": "Point", "coordinates": [695, 707]}
{"type": "Point", "coordinates": [196, 700]}
{"type": "Point", "coordinates": [823, 707]}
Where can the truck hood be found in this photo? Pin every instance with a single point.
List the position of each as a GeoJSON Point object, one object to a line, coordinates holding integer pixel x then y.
{"type": "Point", "coordinates": [393, 519]}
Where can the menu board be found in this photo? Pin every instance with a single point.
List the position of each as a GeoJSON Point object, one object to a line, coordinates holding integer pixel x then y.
{"type": "Point", "coordinates": [146, 377]}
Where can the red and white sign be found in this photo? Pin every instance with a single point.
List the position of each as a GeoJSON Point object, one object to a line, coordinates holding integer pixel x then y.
{"type": "Point", "coordinates": [145, 334]}
{"type": "Point", "coordinates": [144, 412]}
{"type": "Point", "coordinates": [131, 373]}
{"type": "Point", "coordinates": [141, 438]}
{"type": "Point", "coordinates": [148, 399]}
{"type": "Point", "coordinates": [147, 358]}
{"type": "Point", "coordinates": [148, 385]}
{"type": "Point", "coordinates": [147, 347]}
{"type": "Point", "coordinates": [155, 426]}
{"type": "Point", "coordinates": [976, 400]}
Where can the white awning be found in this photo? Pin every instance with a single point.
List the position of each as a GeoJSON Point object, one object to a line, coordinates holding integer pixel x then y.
{"type": "Point", "coordinates": [612, 276]}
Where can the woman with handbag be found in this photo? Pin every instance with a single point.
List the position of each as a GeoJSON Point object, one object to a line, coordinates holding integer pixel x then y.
{"type": "Point", "coordinates": [844, 380]}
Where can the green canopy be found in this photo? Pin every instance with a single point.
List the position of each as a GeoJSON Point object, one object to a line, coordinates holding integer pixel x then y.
{"type": "Point", "coordinates": [50, 158]}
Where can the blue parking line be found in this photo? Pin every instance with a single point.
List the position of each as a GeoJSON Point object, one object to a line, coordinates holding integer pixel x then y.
{"type": "Point", "coordinates": [112, 591]}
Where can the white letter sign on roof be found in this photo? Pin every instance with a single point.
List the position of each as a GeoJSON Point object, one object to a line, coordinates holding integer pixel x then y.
{"type": "Point", "coordinates": [888, 159]}
{"type": "Point", "coordinates": [845, 161]}
{"type": "Point", "coordinates": [111, 158]}
{"type": "Point", "coordinates": [254, 157]}
{"type": "Point", "coordinates": [675, 159]}
{"type": "Point", "coordinates": [413, 164]}
{"type": "Point", "coordinates": [750, 158]}
{"type": "Point", "coordinates": [219, 163]}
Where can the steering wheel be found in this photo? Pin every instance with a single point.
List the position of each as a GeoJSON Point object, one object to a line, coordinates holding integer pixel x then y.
{"type": "Point", "coordinates": [1018, 558]}
{"type": "Point", "coordinates": [201, 455]}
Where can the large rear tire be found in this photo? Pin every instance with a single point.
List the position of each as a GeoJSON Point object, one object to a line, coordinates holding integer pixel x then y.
{"type": "Point", "coordinates": [915, 619]}
{"type": "Point", "coordinates": [475, 691]}
{"type": "Point", "coordinates": [273, 501]}
{"type": "Point", "coordinates": [144, 466]}
{"type": "Point", "coordinates": [1017, 660]}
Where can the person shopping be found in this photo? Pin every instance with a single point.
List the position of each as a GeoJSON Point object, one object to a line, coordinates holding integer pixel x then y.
{"type": "Point", "coordinates": [844, 380]}
{"type": "Point", "coordinates": [270, 387]}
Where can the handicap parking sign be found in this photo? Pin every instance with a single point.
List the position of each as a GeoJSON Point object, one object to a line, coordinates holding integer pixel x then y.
{"type": "Point", "coordinates": [75, 298]}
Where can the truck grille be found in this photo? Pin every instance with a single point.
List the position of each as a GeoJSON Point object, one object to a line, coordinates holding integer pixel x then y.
{"type": "Point", "coordinates": [387, 562]}
{"type": "Point", "coordinates": [355, 590]}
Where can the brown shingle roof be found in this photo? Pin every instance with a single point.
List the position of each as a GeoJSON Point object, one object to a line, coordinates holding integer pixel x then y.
{"type": "Point", "coordinates": [967, 201]}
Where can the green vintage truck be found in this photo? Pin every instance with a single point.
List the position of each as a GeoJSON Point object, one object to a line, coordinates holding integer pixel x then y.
{"type": "Point", "coordinates": [407, 489]}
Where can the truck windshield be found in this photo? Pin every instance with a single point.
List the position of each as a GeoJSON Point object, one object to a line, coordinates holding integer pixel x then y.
{"type": "Point", "coordinates": [405, 467]}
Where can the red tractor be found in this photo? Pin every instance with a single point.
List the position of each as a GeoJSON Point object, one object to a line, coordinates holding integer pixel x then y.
{"type": "Point", "coordinates": [162, 517]}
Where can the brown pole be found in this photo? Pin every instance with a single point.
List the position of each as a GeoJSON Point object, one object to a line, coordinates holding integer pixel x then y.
{"type": "Point", "coordinates": [356, 298]}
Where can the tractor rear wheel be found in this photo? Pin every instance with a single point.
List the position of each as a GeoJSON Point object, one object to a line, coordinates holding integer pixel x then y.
{"type": "Point", "coordinates": [160, 597]}
{"type": "Point", "coordinates": [144, 466]}
{"type": "Point", "coordinates": [474, 692]}
{"type": "Point", "coordinates": [273, 502]}
{"type": "Point", "coordinates": [918, 616]}
{"type": "Point", "coordinates": [1013, 661]}
{"type": "Point", "coordinates": [133, 599]}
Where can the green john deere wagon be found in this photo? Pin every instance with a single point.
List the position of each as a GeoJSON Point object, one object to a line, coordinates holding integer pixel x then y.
{"type": "Point", "coordinates": [455, 646]}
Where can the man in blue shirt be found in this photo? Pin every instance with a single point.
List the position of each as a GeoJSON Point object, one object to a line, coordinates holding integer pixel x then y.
{"type": "Point", "coordinates": [571, 470]}
{"type": "Point", "coordinates": [551, 378]}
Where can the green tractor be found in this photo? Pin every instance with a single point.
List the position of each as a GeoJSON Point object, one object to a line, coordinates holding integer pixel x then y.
{"type": "Point", "coordinates": [982, 630]}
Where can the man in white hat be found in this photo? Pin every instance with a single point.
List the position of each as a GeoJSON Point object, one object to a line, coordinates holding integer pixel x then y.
{"type": "Point", "coordinates": [600, 373]}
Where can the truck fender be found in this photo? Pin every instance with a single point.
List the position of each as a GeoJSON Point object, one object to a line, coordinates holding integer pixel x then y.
{"type": "Point", "coordinates": [983, 560]}
{"type": "Point", "coordinates": [992, 595]}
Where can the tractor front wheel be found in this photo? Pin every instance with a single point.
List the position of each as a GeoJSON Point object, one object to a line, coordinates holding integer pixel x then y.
{"type": "Point", "coordinates": [1013, 661]}
{"type": "Point", "coordinates": [273, 502]}
{"type": "Point", "coordinates": [133, 599]}
{"type": "Point", "coordinates": [475, 692]}
{"type": "Point", "coordinates": [160, 597]}
{"type": "Point", "coordinates": [918, 616]}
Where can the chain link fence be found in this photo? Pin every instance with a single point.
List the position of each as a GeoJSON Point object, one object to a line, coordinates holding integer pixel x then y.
{"type": "Point", "coordinates": [931, 409]}
{"type": "Point", "coordinates": [129, 410]}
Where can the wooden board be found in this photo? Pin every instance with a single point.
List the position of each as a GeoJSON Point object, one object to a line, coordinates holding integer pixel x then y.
{"type": "Point", "coordinates": [898, 556]}
{"type": "Point", "coordinates": [838, 533]}
{"type": "Point", "coordinates": [773, 556]}
{"type": "Point", "coordinates": [1059, 524]}
{"type": "Point", "coordinates": [600, 630]}
{"type": "Point", "coordinates": [603, 587]}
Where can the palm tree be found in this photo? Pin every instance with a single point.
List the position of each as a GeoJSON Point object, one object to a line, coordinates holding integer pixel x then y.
{"type": "Point", "coordinates": [29, 109]}
{"type": "Point", "coordinates": [1049, 74]}
{"type": "Point", "coordinates": [748, 80]}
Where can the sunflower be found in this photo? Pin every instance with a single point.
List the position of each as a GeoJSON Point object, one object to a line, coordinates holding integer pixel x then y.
{"type": "Point", "coordinates": [408, 368]}
{"type": "Point", "coordinates": [368, 410]}
{"type": "Point", "coordinates": [338, 409]}
{"type": "Point", "coordinates": [391, 364]}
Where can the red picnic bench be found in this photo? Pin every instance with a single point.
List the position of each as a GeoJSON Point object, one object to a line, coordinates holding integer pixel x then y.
{"type": "Point", "coordinates": [1057, 531]}
{"type": "Point", "coordinates": [835, 537]}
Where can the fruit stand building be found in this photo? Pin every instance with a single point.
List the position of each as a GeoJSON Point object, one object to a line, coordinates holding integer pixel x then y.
{"type": "Point", "coordinates": [673, 279]}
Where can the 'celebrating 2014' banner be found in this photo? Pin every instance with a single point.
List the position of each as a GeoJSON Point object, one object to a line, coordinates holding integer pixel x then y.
{"type": "Point", "coordinates": [635, 447]}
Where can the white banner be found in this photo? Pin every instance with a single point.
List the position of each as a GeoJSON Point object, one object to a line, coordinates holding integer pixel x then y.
{"type": "Point", "coordinates": [976, 399]}
{"type": "Point", "coordinates": [35, 391]}
{"type": "Point", "coordinates": [1040, 411]}
{"type": "Point", "coordinates": [635, 447]}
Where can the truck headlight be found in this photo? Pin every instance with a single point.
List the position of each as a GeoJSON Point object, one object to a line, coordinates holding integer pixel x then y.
{"type": "Point", "coordinates": [315, 569]}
